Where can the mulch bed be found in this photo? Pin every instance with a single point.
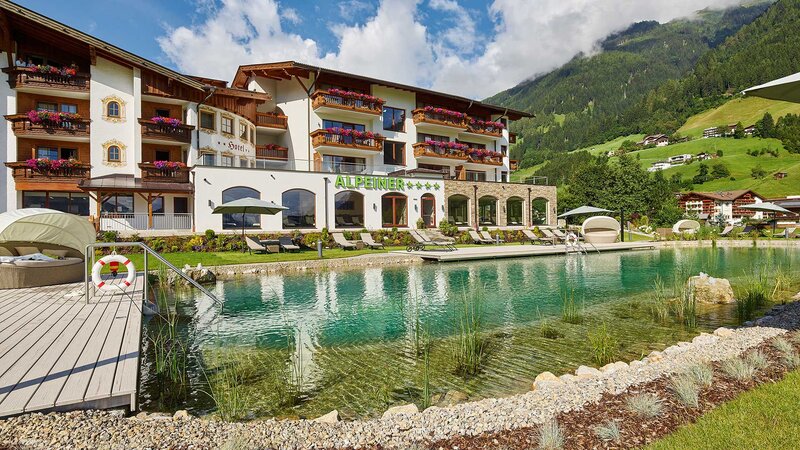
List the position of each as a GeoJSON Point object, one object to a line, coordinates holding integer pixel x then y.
{"type": "Point", "coordinates": [578, 427]}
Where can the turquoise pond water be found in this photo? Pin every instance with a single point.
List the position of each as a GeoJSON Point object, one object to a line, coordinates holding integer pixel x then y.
{"type": "Point", "coordinates": [352, 331]}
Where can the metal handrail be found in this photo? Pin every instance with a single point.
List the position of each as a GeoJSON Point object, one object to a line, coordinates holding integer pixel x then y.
{"type": "Point", "coordinates": [147, 250]}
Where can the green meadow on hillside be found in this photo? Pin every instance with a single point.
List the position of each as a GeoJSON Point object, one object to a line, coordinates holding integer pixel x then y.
{"type": "Point", "coordinates": [746, 110]}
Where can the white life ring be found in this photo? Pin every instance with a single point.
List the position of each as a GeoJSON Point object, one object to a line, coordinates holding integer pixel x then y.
{"type": "Point", "coordinates": [572, 238]}
{"type": "Point", "coordinates": [113, 261]}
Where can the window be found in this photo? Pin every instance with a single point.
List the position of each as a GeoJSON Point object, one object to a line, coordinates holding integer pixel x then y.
{"type": "Point", "coordinates": [180, 205]}
{"type": "Point", "coordinates": [234, 221]}
{"type": "Point", "coordinates": [207, 120]}
{"type": "Point", "coordinates": [243, 162]}
{"type": "Point", "coordinates": [394, 119]}
{"type": "Point", "coordinates": [162, 155]}
{"type": "Point", "coordinates": [349, 210]}
{"type": "Point", "coordinates": [394, 210]}
{"type": "Point", "coordinates": [69, 202]}
{"type": "Point", "coordinates": [504, 177]}
{"type": "Point", "coordinates": [242, 131]}
{"type": "Point", "coordinates": [69, 153]}
{"type": "Point", "coordinates": [112, 109]}
{"type": "Point", "coordinates": [47, 152]}
{"type": "Point", "coordinates": [207, 159]}
{"type": "Point", "coordinates": [302, 208]}
{"type": "Point", "coordinates": [226, 161]}
{"type": "Point", "coordinates": [114, 153]}
{"type": "Point", "coordinates": [487, 210]}
{"type": "Point", "coordinates": [422, 137]}
{"type": "Point", "coordinates": [345, 125]}
{"type": "Point", "coordinates": [458, 210]}
{"type": "Point", "coordinates": [46, 106]}
{"type": "Point", "coordinates": [504, 150]}
{"type": "Point", "coordinates": [429, 210]}
{"type": "Point", "coordinates": [539, 211]}
{"type": "Point", "coordinates": [343, 164]}
{"type": "Point", "coordinates": [473, 175]}
{"type": "Point", "coordinates": [162, 112]}
{"type": "Point", "coordinates": [514, 211]}
{"type": "Point", "coordinates": [474, 145]}
{"type": "Point", "coordinates": [118, 203]}
{"type": "Point", "coordinates": [227, 125]}
{"type": "Point", "coordinates": [158, 205]}
{"type": "Point", "coordinates": [394, 153]}
{"type": "Point", "coordinates": [69, 108]}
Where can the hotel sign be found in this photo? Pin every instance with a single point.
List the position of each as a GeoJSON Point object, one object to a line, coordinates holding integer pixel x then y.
{"type": "Point", "coordinates": [380, 183]}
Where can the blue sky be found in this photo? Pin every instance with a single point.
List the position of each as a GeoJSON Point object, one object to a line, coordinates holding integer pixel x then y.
{"type": "Point", "coordinates": [470, 47]}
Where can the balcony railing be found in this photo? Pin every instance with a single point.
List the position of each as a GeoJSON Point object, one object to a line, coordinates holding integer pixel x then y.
{"type": "Point", "coordinates": [421, 115]}
{"type": "Point", "coordinates": [276, 153]}
{"type": "Point", "coordinates": [486, 128]}
{"type": "Point", "coordinates": [141, 221]}
{"type": "Point", "coordinates": [322, 138]}
{"type": "Point", "coordinates": [151, 173]}
{"type": "Point", "coordinates": [272, 120]}
{"type": "Point", "coordinates": [27, 77]}
{"type": "Point", "coordinates": [422, 149]}
{"type": "Point", "coordinates": [321, 99]}
{"type": "Point", "coordinates": [484, 159]}
{"type": "Point", "coordinates": [22, 126]}
{"type": "Point", "coordinates": [162, 131]}
{"type": "Point", "coordinates": [24, 172]}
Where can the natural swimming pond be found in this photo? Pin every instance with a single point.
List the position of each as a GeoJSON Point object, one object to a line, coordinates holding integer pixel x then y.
{"type": "Point", "coordinates": [354, 340]}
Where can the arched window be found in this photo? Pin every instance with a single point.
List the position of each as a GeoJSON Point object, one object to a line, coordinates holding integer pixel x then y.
{"type": "Point", "coordinates": [112, 109]}
{"type": "Point", "coordinates": [458, 210]}
{"type": "Point", "coordinates": [539, 207]}
{"type": "Point", "coordinates": [234, 221]}
{"type": "Point", "coordinates": [302, 208]}
{"type": "Point", "coordinates": [487, 210]}
{"type": "Point", "coordinates": [114, 154]}
{"type": "Point", "coordinates": [394, 210]}
{"type": "Point", "coordinates": [514, 211]}
{"type": "Point", "coordinates": [428, 206]}
{"type": "Point", "coordinates": [349, 210]}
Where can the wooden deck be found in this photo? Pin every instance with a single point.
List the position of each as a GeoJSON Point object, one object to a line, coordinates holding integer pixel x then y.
{"type": "Point", "coordinates": [513, 250]}
{"type": "Point", "coordinates": [58, 352]}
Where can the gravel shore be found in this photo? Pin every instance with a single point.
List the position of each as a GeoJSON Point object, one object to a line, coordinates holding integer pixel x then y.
{"type": "Point", "coordinates": [551, 396]}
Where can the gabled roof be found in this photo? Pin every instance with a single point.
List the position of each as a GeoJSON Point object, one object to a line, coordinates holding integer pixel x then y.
{"type": "Point", "coordinates": [287, 69]}
{"type": "Point", "coordinates": [725, 196]}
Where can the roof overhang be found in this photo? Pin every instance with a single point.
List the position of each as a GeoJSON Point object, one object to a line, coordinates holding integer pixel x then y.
{"type": "Point", "coordinates": [129, 184]}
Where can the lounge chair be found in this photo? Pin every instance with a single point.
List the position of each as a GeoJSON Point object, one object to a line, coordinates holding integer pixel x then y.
{"type": "Point", "coordinates": [552, 236]}
{"type": "Point", "coordinates": [437, 235]}
{"type": "Point", "coordinates": [476, 238]}
{"type": "Point", "coordinates": [366, 238]}
{"type": "Point", "coordinates": [253, 246]}
{"type": "Point", "coordinates": [748, 229]}
{"type": "Point", "coordinates": [726, 231]}
{"type": "Point", "coordinates": [342, 242]}
{"type": "Point", "coordinates": [422, 242]}
{"type": "Point", "coordinates": [486, 235]}
{"type": "Point", "coordinates": [534, 239]}
{"type": "Point", "coordinates": [287, 244]}
{"type": "Point", "coordinates": [787, 233]}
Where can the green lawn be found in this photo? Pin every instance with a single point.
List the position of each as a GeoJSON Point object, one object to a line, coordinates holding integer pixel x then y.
{"type": "Point", "coordinates": [747, 110]}
{"type": "Point", "coordinates": [227, 258]}
{"type": "Point", "coordinates": [764, 418]}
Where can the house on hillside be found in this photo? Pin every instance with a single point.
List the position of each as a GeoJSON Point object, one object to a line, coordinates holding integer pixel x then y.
{"type": "Point", "coordinates": [749, 131]}
{"type": "Point", "coordinates": [659, 140]}
{"type": "Point", "coordinates": [702, 156]}
{"type": "Point", "coordinates": [680, 159]}
{"type": "Point", "coordinates": [658, 166]}
{"type": "Point", "coordinates": [712, 132]}
{"type": "Point", "coordinates": [728, 204]}
{"type": "Point", "coordinates": [790, 202]}
{"type": "Point", "coordinates": [779, 175]}
{"type": "Point", "coordinates": [730, 129]}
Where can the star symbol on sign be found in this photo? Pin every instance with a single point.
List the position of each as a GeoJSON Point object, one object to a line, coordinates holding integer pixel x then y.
{"type": "Point", "coordinates": [410, 186]}
{"type": "Point", "coordinates": [419, 185]}
{"type": "Point", "coordinates": [436, 186]}
{"type": "Point", "coordinates": [427, 185]}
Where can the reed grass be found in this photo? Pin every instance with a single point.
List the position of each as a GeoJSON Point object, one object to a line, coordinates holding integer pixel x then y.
{"type": "Point", "coordinates": [551, 437]}
{"type": "Point", "coordinates": [570, 311]}
{"type": "Point", "coordinates": [645, 405]}
{"type": "Point", "coordinates": [754, 293]}
{"type": "Point", "coordinates": [608, 432]}
{"type": "Point", "coordinates": [685, 305]}
{"type": "Point", "coordinates": [469, 346]}
{"type": "Point", "coordinates": [550, 331]}
{"type": "Point", "coordinates": [686, 390]}
{"type": "Point", "coordinates": [604, 345]}
{"type": "Point", "coordinates": [701, 374]}
{"type": "Point", "coordinates": [659, 301]}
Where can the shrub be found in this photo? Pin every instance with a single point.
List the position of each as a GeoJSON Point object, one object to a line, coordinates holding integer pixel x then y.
{"type": "Point", "coordinates": [447, 228]}
{"type": "Point", "coordinates": [604, 345]}
{"type": "Point", "coordinates": [210, 234]}
{"type": "Point", "coordinates": [738, 369]}
{"type": "Point", "coordinates": [701, 374]}
{"type": "Point", "coordinates": [645, 405]}
{"type": "Point", "coordinates": [686, 391]}
{"type": "Point", "coordinates": [109, 236]}
{"type": "Point", "coordinates": [608, 432]}
{"type": "Point", "coordinates": [783, 346]}
{"type": "Point", "coordinates": [551, 437]}
{"type": "Point", "coordinates": [421, 223]}
{"type": "Point", "coordinates": [757, 359]}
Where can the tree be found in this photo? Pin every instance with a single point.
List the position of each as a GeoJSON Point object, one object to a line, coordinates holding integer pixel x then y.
{"type": "Point", "coordinates": [702, 175]}
{"type": "Point", "coordinates": [788, 131]}
{"type": "Point", "coordinates": [720, 171]}
{"type": "Point", "coordinates": [738, 131]}
{"type": "Point", "coordinates": [719, 153]}
{"type": "Point", "coordinates": [765, 127]}
{"type": "Point", "coordinates": [628, 146]}
{"type": "Point", "coordinates": [758, 172]}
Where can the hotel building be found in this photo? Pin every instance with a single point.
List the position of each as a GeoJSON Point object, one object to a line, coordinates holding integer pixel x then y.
{"type": "Point", "coordinates": [139, 148]}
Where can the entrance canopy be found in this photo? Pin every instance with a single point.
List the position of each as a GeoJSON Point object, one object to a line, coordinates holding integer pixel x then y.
{"type": "Point", "coordinates": [45, 226]}
{"type": "Point", "coordinates": [786, 89]}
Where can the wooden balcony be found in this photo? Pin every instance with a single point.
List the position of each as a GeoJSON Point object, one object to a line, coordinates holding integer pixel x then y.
{"type": "Point", "coordinates": [483, 128]}
{"type": "Point", "coordinates": [19, 77]}
{"type": "Point", "coordinates": [325, 102]}
{"type": "Point", "coordinates": [423, 150]}
{"type": "Point", "coordinates": [326, 142]}
{"type": "Point", "coordinates": [513, 164]}
{"type": "Point", "coordinates": [151, 173]}
{"type": "Point", "coordinates": [181, 134]}
{"type": "Point", "coordinates": [488, 160]}
{"type": "Point", "coordinates": [275, 153]}
{"type": "Point", "coordinates": [27, 178]}
{"type": "Point", "coordinates": [423, 118]}
{"type": "Point", "coordinates": [23, 127]}
{"type": "Point", "coordinates": [272, 120]}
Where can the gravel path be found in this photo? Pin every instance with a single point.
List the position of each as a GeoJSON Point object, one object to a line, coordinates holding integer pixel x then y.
{"type": "Point", "coordinates": [552, 395]}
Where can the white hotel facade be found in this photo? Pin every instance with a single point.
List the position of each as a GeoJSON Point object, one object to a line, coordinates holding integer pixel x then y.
{"type": "Point", "coordinates": [138, 148]}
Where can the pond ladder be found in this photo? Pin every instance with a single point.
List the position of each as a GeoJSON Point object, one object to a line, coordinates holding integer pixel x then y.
{"type": "Point", "coordinates": [147, 251]}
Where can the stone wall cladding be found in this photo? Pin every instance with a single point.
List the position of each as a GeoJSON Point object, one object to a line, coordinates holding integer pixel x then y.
{"type": "Point", "coordinates": [502, 192]}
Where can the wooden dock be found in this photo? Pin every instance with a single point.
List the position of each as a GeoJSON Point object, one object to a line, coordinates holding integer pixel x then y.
{"type": "Point", "coordinates": [513, 250]}
{"type": "Point", "coordinates": [58, 352]}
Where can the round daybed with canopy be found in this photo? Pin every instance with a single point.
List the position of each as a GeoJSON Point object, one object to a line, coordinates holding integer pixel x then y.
{"type": "Point", "coordinates": [600, 230]}
{"type": "Point", "coordinates": [686, 226]}
{"type": "Point", "coordinates": [42, 247]}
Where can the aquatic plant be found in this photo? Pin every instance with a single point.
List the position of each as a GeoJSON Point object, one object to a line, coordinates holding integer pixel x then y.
{"type": "Point", "coordinates": [550, 331]}
{"type": "Point", "coordinates": [659, 300]}
{"type": "Point", "coordinates": [685, 304]}
{"type": "Point", "coordinates": [570, 311]}
{"type": "Point", "coordinates": [645, 405]}
{"type": "Point", "coordinates": [753, 295]}
{"type": "Point", "coordinates": [468, 350]}
{"type": "Point", "coordinates": [426, 374]}
{"type": "Point", "coordinates": [738, 369]}
{"type": "Point", "coordinates": [170, 352]}
{"type": "Point", "coordinates": [608, 432]}
{"type": "Point", "coordinates": [551, 437]}
{"type": "Point", "coordinates": [686, 390]}
{"type": "Point", "coordinates": [226, 390]}
{"type": "Point", "coordinates": [701, 374]}
{"type": "Point", "coordinates": [604, 345]}
{"type": "Point", "coordinates": [783, 282]}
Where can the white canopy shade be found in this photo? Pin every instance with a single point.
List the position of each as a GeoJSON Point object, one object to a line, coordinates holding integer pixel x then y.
{"type": "Point", "coordinates": [249, 205]}
{"type": "Point", "coordinates": [767, 207]}
{"type": "Point", "coordinates": [46, 226]}
{"type": "Point", "coordinates": [786, 89]}
{"type": "Point", "coordinates": [686, 226]}
{"type": "Point", "coordinates": [582, 211]}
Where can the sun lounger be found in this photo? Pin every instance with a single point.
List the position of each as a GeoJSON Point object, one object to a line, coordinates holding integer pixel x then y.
{"type": "Point", "coordinates": [787, 233]}
{"type": "Point", "coordinates": [287, 244]}
{"type": "Point", "coordinates": [366, 238]}
{"type": "Point", "coordinates": [436, 235]}
{"type": "Point", "coordinates": [422, 242]}
{"type": "Point", "coordinates": [486, 235]}
{"type": "Point", "coordinates": [552, 236]}
{"type": "Point", "coordinates": [253, 246]}
{"type": "Point", "coordinates": [342, 242]}
{"type": "Point", "coordinates": [534, 239]}
{"type": "Point", "coordinates": [726, 231]}
{"type": "Point", "coordinates": [476, 238]}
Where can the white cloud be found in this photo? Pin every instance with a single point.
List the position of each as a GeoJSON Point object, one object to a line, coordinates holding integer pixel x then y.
{"type": "Point", "coordinates": [529, 37]}
{"type": "Point", "coordinates": [291, 15]}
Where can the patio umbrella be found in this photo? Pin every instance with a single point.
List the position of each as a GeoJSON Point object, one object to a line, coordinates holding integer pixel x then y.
{"type": "Point", "coordinates": [770, 208]}
{"type": "Point", "coordinates": [786, 89]}
{"type": "Point", "coordinates": [248, 205]}
{"type": "Point", "coordinates": [582, 211]}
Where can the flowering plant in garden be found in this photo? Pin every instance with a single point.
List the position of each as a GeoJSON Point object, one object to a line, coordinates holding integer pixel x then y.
{"type": "Point", "coordinates": [46, 164]}
{"type": "Point", "coordinates": [444, 112]}
{"type": "Point", "coordinates": [53, 70]}
{"type": "Point", "coordinates": [356, 95]}
{"type": "Point", "coordinates": [352, 133]}
{"type": "Point", "coordinates": [167, 121]}
{"type": "Point", "coordinates": [272, 147]}
{"type": "Point", "coordinates": [447, 145]}
{"type": "Point", "coordinates": [168, 166]}
{"type": "Point", "coordinates": [50, 117]}
{"type": "Point", "coordinates": [486, 124]}
{"type": "Point", "coordinates": [483, 153]}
